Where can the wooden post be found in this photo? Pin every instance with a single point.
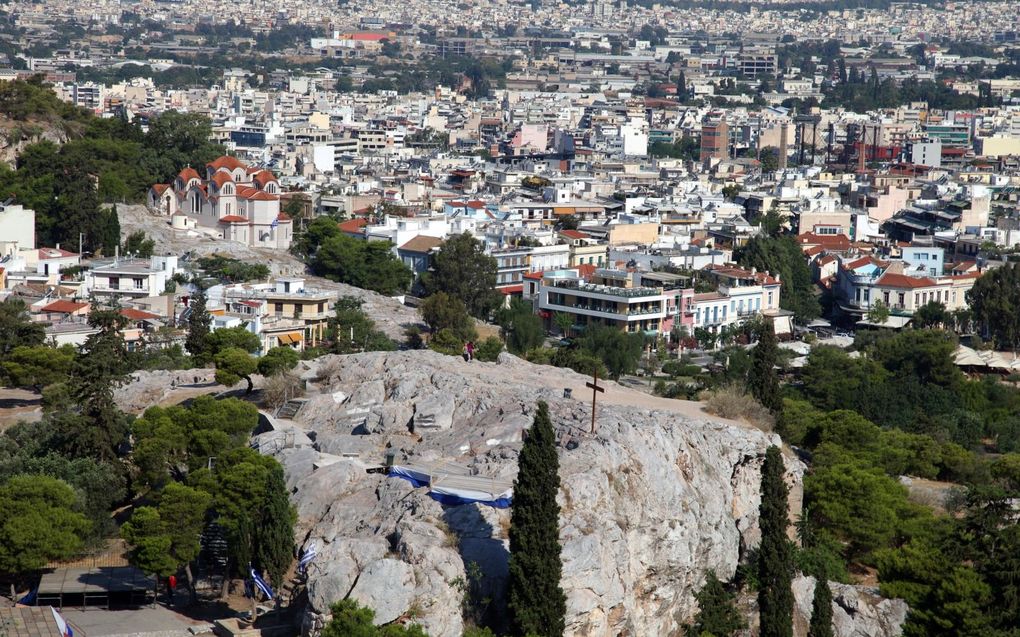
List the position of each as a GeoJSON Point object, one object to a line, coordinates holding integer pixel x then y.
{"type": "Point", "coordinates": [596, 389]}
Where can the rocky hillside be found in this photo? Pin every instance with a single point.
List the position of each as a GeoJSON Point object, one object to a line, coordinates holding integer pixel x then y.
{"type": "Point", "coordinates": [649, 503]}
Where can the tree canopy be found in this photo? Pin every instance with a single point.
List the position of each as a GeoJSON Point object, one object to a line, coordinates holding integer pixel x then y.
{"type": "Point", "coordinates": [463, 270]}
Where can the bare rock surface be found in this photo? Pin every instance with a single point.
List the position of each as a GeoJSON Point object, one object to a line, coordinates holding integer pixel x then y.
{"type": "Point", "coordinates": [857, 611]}
{"type": "Point", "coordinates": [660, 494]}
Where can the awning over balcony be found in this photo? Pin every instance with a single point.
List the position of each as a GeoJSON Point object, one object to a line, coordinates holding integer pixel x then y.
{"type": "Point", "coordinates": [290, 338]}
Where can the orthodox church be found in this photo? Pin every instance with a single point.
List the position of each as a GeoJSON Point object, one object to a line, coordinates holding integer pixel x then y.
{"type": "Point", "coordinates": [243, 203]}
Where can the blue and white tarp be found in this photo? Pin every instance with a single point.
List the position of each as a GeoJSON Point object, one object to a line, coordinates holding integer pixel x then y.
{"type": "Point", "coordinates": [455, 488]}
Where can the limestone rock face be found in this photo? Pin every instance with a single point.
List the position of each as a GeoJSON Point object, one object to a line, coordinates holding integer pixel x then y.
{"type": "Point", "coordinates": [660, 494]}
{"type": "Point", "coordinates": [857, 611]}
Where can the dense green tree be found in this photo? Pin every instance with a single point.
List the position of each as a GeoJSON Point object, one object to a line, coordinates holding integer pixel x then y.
{"type": "Point", "coordinates": [314, 235]}
{"type": "Point", "coordinates": [97, 427]}
{"type": "Point", "coordinates": [274, 550]}
{"type": "Point", "coordinates": [860, 504]}
{"type": "Point", "coordinates": [233, 270]}
{"type": "Point", "coordinates": [879, 313]}
{"type": "Point", "coordinates": [783, 256]}
{"type": "Point", "coordinates": [146, 534]}
{"type": "Point", "coordinates": [618, 350]}
{"type": "Point", "coordinates": [16, 327]}
{"type": "Point", "coordinates": [199, 322]}
{"type": "Point", "coordinates": [717, 610]}
{"type": "Point", "coordinates": [775, 553]}
{"type": "Point", "coordinates": [37, 366]}
{"type": "Point", "coordinates": [365, 264]}
{"type": "Point", "coordinates": [535, 599]}
{"type": "Point", "coordinates": [138, 244]}
{"type": "Point", "coordinates": [463, 270]}
{"type": "Point", "coordinates": [278, 359]}
{"type": "Point", "coordinates": [442, 311]}
{"type": "Point", "coordinates": [108, 231]}
{"type": "Point", "coordinates": [821, 609]}
{"type": "Point", "coordinates": [234, 364]}
{"type": "Point", "coordinates": [946, 599]}
{"type": "Point", "coordinates": [244, 491]}
{"type": "Point", "coordinates": [351, 330]}
{"type": "Point", "coordinates": [521, 327]}
{"type": "Point", "coordinates": [932, 314]}
{"type": "Point", "coordinates": [995, 302]}
{"type": "Point", "coordinates": [39, 523]}
{"type": "Point", "coordinates": [489, 349]}
{"type": "Point", "coordinates": [769, 158]}
{"type": "Point", "coordinates": [349, 619]}
{"type": "Point", "coordinates": [233, 338]}
{"type": "Point", "coordinates": [445, 341]}
{"type": "Point", "coordinates": [762, 378]}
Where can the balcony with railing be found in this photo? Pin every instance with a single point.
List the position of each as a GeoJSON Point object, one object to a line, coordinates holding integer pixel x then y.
{"type": "Point", "coordinates": [630, 293]}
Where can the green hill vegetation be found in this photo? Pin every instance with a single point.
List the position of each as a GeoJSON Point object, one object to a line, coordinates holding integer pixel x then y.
{"type": "Point", "coordinates": [103, 161]}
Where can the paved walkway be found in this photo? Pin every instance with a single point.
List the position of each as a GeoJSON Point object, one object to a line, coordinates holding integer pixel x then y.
{"type": "Point", "coordinates": [143, 622]}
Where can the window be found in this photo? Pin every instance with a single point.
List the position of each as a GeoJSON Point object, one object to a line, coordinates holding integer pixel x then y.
{"type": "Point", "coordinates": [278, 308]}
{"type": "Point", "coordinates": [322, 306]}
{"type": "Point", "coordinates": [770, 299]}
{"type": "Point", "coordinates": [138, 284]}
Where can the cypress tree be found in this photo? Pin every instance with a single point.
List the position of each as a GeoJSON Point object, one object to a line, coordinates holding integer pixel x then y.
{"type": "Point", "coordinates": [275, 531]}
{"type": "Point", "coordinates": [717, 612]}
{"type": "Point", "coordinates": [775, 554]}
{"type": "Point", "coordinates": [536, 602]}
{"type": "Point", "coordinates": [762, 379]}
{"type": "Point", "coordinates": [821, 609]}
{"type": "Point", "coordinates": [197, 342]}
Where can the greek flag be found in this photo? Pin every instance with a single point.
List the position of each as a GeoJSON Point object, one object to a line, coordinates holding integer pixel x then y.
{"type": "Point", "coordinates": [65, 630]}
{"type": "Point", "coordinates": [261, 585]}
{"type": "Point", "coordinates": [309, 555]}
{"type": "Point", "coordinates": [275, 223]}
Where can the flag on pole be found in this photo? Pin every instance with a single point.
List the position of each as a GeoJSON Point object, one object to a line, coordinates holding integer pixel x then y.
{"type": "Point", "coordinates": [62, 626]}
{"type": "Point", "coordinates": [275, 223]}
{"type": "Point", "coordinates": [310, 553]}
{"type": "Point", "coordinates": [261, 585]}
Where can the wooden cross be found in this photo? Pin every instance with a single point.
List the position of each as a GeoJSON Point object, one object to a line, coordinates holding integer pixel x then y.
{"type": "Point", "coordinates": [595, 390]}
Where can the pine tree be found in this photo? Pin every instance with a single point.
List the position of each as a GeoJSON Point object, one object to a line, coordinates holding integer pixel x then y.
{"type": "Point", "coordinates": [821, 609]}
{"type": "Point", "coordinates": [537, 604]}
{"type": "Point", "coordinates": [762, 380]}
{"type": "Point", "coordinates": [775, 554]}
{"type": "Point", "coordinates": [96, 427]}
{"type": "Point", "coordinates": [717, 612]}
{"type": "Point", "coordinates": [197, 342]}
{"type": "Point", "coordinates": [275, 531]}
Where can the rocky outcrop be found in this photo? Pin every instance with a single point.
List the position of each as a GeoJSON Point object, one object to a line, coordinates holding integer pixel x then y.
{"type": "Point", "coordinates": [656, 497]}
{"type": "Point", "coordinates": [857, 611]}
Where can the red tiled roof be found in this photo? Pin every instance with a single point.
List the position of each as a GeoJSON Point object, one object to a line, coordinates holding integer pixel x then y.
{"type": "Point", "coordinates": [221, 177]}
{"type": "Point", "coordinates": [233, 219]}
{"type": "Point", "coordinates": [226, 161]}
{"type": "Point", "coordinates": [160, 188]}
{"type": "Point", "coordinates": [188, 174]}
{"type": "Point", "coordinates": [511, 289]}
{"type": "Point", "coordinates": [574, 234]}
{"type": "Point", "coordinates": [537, 276]}
{"type": "Point", "coordinates": [366, 37]}
{"type": "Point", "coordinates": [352, 225]}
{"type": "Point", "coordinates": [282, 217]}
{"type": "Point", "coordinates": [132, 314]}
{"type": "Point", "coordinates": [259, 195]}
{"type": "Point", "coordinates": [586, 270]}
{"type": "Point", "coordinates": [903, 281]}
{"type": "Point", "coordinates": [263, 177]}
{"type": "Point", "coordinates": [63, 306]}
